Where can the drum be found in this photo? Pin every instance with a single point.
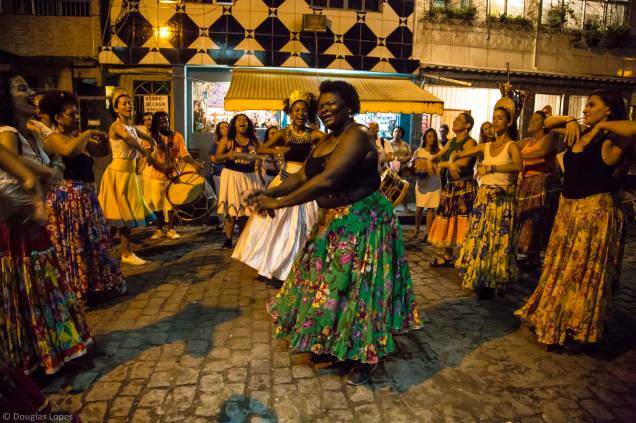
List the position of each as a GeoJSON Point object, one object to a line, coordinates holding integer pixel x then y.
{"type": "Point", "coordinates": [191, 196]}
{"type": "Point", "coordinates": [393, 187]}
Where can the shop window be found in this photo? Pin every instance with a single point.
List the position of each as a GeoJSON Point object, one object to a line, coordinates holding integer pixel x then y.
{"type": "Point", "coordinates": [507, 7]}
{"type": "Point", "coordinates": [386, 121]}
{"type": "Point", "coordinates": [605, 12]}
{"type": "Point", "coordinates": [362, 5]}
{"type": "Point", "coordinates": [46, 7]}
{"type": "Point", "coordinates": [208, 108]}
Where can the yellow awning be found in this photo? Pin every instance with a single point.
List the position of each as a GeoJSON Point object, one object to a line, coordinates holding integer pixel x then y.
{"type": "Point", "coordinates": [253, 89]}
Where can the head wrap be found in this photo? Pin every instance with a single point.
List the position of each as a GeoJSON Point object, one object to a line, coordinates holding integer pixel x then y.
{"type": "Point", "coordinates": [298, 95]}
{"type": "Point", "coordinates": [511, 100]}
{"type": "Point", "coordinates": [117, 93]}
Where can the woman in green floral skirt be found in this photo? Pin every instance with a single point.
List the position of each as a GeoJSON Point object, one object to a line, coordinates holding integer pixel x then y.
{"type": "Point", "coordinates": [350, 287]}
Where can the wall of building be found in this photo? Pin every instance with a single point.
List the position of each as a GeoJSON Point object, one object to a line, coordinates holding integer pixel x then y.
{"type": "Point", "coordinates": [67, 36]}
{"type": "Point", "coordinates": [482, 46]}
{"type": "Point", "coordinates": [261, 33]}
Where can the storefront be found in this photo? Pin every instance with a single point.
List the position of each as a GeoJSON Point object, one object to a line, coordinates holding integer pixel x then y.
{"type": "Point", "coordinates": [214, 94]}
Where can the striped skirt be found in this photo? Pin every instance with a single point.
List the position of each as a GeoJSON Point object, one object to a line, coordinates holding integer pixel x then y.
{"type": "Point", "coordinates": [451, 221]}
{"type": "Point", "coordinates": [537, 202]}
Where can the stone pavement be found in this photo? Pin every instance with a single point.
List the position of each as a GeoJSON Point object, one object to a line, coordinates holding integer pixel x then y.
{"type": "Point", "coordinates": [191, 342]}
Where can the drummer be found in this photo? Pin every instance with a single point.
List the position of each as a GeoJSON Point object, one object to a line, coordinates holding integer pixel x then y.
{"type": "Point", "coordinates": [171, 149]}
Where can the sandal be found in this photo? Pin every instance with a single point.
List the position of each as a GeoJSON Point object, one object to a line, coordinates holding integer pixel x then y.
{"type": "Point", "coordinates": [446, 262]}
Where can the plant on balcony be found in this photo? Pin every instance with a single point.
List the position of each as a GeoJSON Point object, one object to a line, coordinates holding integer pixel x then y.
{"type": "Point", "coordinates": [456, 15]}
{"type": "Point", "coordinates": [592, 33]}
{"type": "Point", "coordinates": [615, 33]}
{"type": "Point", "coordinates": [559, 14]}
{"type": "Point", "coordinates": [518, 21]}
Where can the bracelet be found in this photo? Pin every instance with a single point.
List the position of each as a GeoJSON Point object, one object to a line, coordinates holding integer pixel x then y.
{"type": "Point", "coordinates": [570, 121]}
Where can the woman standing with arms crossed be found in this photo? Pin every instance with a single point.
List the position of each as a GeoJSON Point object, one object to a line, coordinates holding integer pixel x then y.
{"type": "Point", "coordinates": [350, 288]}
{"type": "Point", "coordinates": [428, 185]}
{"type": "Point", "coordinates": [270, 244]}
{"type": "Point", "coordinates": [487, 259]}
{"type": "Point", "coordinates": [120, 194]}
{"type": "Point", "coordinates": [77, 226]}
{"type": "Point", "coordinates": [582, 260]}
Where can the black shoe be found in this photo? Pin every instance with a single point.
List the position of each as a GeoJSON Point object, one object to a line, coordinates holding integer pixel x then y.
{"type": "Point", "coordinates": [361, 374]}
{"type": "Point", "coordinates": [227, 244]}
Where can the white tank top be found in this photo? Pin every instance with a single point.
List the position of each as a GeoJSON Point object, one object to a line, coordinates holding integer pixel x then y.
{"type": "Point", "coordinates": [503, 158]}
{"type": "Point", "coordinates": [120, 149]}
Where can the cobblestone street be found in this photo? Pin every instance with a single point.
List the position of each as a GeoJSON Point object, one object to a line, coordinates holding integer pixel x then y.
{"type": "Point", "coordinates": [191, 342]}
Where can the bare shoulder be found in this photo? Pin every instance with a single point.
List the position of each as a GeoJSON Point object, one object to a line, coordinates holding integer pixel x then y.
{"type": "Point", "coordinates": [9, 140]}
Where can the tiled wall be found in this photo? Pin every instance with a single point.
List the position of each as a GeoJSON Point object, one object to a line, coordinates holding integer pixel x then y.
{"type": "Point", "coordinates": [482, 47]}
{"type": "Point", "coordinates": [261, 33]}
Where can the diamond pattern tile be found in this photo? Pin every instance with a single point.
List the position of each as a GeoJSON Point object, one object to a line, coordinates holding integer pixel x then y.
{"type": "Point", "coordinates": [265, 33]}
{"type": "Point", "coordinates": [360, 40]}
{"type": "Point", "coordinates": [400, 42]}
{"type": "Point", "coordinates": [272, 34]}
{"type": "Point", "coordinates": [134, 29]}
{"type": "Point", "coordinates": [184, 30]}
{"type": "Point", "coordinates": [226, 32]}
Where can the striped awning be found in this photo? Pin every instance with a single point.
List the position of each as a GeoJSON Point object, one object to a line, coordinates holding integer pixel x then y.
{"type": "Point", "coordinates": [253, 89]}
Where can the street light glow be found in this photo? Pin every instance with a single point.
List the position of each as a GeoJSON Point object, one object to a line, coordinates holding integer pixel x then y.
{"type": "Point", "coordinates": [163, 32]}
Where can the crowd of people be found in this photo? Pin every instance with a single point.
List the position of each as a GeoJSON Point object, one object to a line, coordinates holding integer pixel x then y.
{"type": "Point", "coordinates": [311, 216]}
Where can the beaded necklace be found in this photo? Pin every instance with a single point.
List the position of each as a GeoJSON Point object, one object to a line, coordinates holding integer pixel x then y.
{"type": "Point", "coordinates": [298, 139]}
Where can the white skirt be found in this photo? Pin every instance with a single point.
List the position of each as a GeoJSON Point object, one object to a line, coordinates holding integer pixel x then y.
{"type": "Point", "coordinates": [270, 245]}
{"type": "Point", "coordinates": [428, 192]}
{"type": "Point", "coordinates": [231, 187]}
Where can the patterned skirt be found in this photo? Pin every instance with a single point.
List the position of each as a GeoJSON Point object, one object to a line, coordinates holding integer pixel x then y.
{"type": "Point", "coordinates": [451, 221]}
{"type": "Point", "coordinates": [581, 265]}
{"type": "Point", "coordinates": [82, 239]}
{"type": "Point", "coordinates": [350, 287]}
{"type": "Point", "coordinates": [43, 324]}
{"type": "Point", "coordinates": [232, 185]}
{"type": "Point", "coordinates": [537, 202]}
{"type": "Point", "coordinates": [488, 258]}
{"type": "Point", "coordinates": [121, 197]}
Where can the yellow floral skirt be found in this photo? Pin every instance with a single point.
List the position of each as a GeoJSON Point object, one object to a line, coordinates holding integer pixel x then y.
{"type": "Point", "coordinates": [581, 264]}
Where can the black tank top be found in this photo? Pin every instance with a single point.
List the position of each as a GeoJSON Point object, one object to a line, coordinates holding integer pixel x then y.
{"type": "Point", "coordinates": [241, 165]}
{"type": "Point", "coordinates": [586, 173]}
{"type": "Point", "coordinates": [79, 168]}
{"type": "Point", "coordinates": [299, 147]}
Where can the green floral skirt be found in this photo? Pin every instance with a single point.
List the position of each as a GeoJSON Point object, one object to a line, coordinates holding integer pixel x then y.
{"type": "Point", "coordinates": [350, 287]}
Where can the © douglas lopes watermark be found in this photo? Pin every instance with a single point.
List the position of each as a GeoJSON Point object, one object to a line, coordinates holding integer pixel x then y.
{"type": "Point", "coordinates": [36, 417]}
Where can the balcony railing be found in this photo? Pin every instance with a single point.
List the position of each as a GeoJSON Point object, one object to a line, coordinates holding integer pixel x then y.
{"type": "Point", "coordinates": [46, 7]}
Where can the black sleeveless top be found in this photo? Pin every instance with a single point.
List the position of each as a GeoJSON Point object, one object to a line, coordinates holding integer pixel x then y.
{"type": "Point", "coordinates": [466, 172]}
{"type": "Point", "coordinates": [241, 165]}
{"type": "Point", "coordinates": [79, 168]}
{"type": "Point", "coordinates": [586, 173]}
{"type": "Point", "coordinates": [299, 147]}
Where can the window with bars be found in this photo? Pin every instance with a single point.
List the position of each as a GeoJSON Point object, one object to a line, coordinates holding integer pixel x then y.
{"type": "Point", "coordinates": [46, 7]}
{"type": "Point", "coordinates": [361, 5]}
{"type": "Point", "coordinates": [605, 12]}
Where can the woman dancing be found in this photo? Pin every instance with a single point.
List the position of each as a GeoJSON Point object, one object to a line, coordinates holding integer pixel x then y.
{"type": "Point", "coordinates": [120, 195]}
{"type": "Point", "coordinates": [487, 259]}
{"type": "Point", "coordinates": [428, 185]}
{"type": "Point", "coordinates": [270, 244]}
{"type": "Point", "coordinates": [77, 226]}
{"type": "Point", "coordinates": [537, 192]}
{"type": "Point", "coordinates": [350, 288]}
{"type": "Point", "coordinates": [581, 264]}
{"type": "Point", "coordinates": [239, 174]}
{"type": "Point", "coordinates": [451, 222]}
{"type": "Point", "coordinates": [43, 324]}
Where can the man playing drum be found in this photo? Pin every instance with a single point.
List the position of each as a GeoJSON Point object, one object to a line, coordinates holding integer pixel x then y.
{"type": "Point", "coordinates": [171, 149]}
